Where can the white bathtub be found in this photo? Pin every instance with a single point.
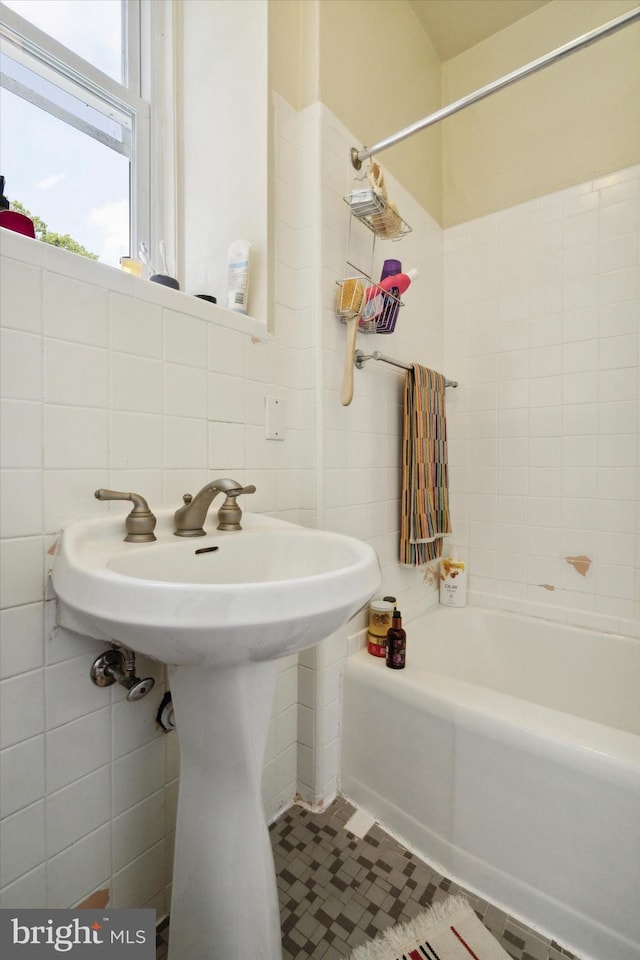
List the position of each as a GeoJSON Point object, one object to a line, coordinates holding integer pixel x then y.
{"type": "Point", "coordinates": [507, 754]}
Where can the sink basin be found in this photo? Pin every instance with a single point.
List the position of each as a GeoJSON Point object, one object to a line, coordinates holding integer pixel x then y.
{"type": "Point", "coordinates": [262, 592]}
{"type": "Point", "coordinates": [219, 610]}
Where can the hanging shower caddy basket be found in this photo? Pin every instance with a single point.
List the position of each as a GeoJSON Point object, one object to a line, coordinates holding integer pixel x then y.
{"type": "Point", "coordinates": [358, 295]}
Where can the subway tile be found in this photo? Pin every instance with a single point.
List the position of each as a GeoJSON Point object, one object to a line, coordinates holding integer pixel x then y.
{"type": "Point", "coordinates": [618, 319]}
{"type": "Point", "coordinates": [77, 748]}
{"type": "Point", "coordinates": [545, 392]}
{"type": "Point", "coordinates": [580, 387]}
{"type": "Point", "coordinates": [136, 384]}
{"type": "Point", "coordinates": [545, 361]}
{"type": "Point", "coordinates": [84, 866]}
{"type": "Point", "coordinates": [185, 339]}
{"type": "Point", "coordinates": [20, 296]}
{"type": "Point", "coordinates": [579, 482]}
{"type": "Point", "coordinates": [618, 253]}
{"type": "Point", "coordinates": [136, 441]}
{"type": "Point", "coordinates": [579, 451]}
{"type": "Point", "coordinates": [619, 285]}
{"type": "Point", "coordinates": [617, 451]}
{"type": "Point", "coordinates": [579, 356]}
{"type": "Point", "coordinates": [22, 781]}
{"type": "Point", "coordinates": [544, 511]}
{"type": "Point", "coordinates": [21, 503]}
{"type": "Point", "coordinates": [70, 694]}
{"type": "Point", "coordinates": [137, 830]}
{"type": "Point", "coordinates": [28, 892]}
{"type": "Point", "coordinates": [579, 419]}
{"type": "Point", "coordinates": [68, 494]}
{"type": "Point", "coordinates": [618, 219]}
{"type": "Point", "coordinates": [75, 438]}
{"type": "Point", "coordinates": [21, 571]}
{"type": "Point", "coordinates": [20, 365]}
{"type": "Point", "coordinates": [618, 385]}
{"type": "Point", "coordinates": [615, 548]}
{"type": "Point", "coordinates": [287, 689]}
{"type": "Point", "coordinates": [615, 352]}
{"type": "Point", "coordinates": [21, 639]}
{"type": "Point", "coordinates": [22, 841]}
{"type": "Point", "coordinates": [75, 311]}
{"type": "Point", "coordinates": [77, 810]}
{"type": "Point", "coordinates": [75, 374]}
{"type": "Point", "coordinates": [615, 516]}
{"type": "Point", "coordinates": [135, 326]}
{"type": "Point", "coordinates": [137, 775]}
{"type": "Point", "coordinates": [615, 418]}
{"type": "Point", "coordinates": [580, 323]}
{"type": "Point", "coordinates": [20, 434]}
{"type": "Point", "coordinates": [185, 391]}
{"type": "Point", "coordinates": [185, 442]}
{"type": "Point", "coordinates": [617, 483]}
{"type": "Point", "coordinates": [545, 452]}
{"type": "Point", "coordinates": [227, 399]}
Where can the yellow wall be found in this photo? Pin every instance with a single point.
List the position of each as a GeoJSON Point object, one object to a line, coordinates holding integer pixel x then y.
{"type": "Point", "coordinates": [577, 119]}
{"type": "Point", "coordinates": [371, 63]}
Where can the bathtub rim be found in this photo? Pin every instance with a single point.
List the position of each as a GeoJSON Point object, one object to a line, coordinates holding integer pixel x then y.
{"type": "Point", "coordinates": [587, 745]}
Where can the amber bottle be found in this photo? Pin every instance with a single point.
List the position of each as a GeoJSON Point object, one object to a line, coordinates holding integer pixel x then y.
{"type": "Point", "coordinates": [396, 643]}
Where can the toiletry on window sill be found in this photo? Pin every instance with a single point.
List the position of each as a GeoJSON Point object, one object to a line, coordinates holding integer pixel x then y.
{"type": "Point", "coordinates": [238, 276]}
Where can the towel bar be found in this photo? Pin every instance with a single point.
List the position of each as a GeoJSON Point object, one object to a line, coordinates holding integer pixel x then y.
{"type": "Point", "coordinates": [360, 358]}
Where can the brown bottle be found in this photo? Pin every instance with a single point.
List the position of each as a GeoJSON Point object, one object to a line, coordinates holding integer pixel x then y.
{"type": "Point", "coordinates": [396, 643]}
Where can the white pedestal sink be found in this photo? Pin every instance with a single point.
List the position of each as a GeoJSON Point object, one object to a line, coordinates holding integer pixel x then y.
{"type": "Point", "coordinates": [220, 618]}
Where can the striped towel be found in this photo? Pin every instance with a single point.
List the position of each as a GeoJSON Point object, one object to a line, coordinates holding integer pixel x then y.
{"type": "Point", "coordinates": [425, 495]}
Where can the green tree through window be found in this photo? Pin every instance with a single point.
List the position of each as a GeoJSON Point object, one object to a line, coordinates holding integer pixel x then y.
{"type": "Point", "coordinates": [43, 233]}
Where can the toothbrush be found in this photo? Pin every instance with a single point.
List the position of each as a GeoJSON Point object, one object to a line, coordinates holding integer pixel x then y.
{"type": "Point", "coordinates": [144, 255]}
{"type": "Point", "coordinates": [163, 258]}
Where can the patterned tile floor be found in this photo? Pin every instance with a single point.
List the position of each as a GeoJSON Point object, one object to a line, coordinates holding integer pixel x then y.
{"type": "Point", "coordinates": [338, 891]}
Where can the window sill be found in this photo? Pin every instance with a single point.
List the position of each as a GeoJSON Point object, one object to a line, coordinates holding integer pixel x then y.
{"type": "Point", "coordinates": [75, 267]}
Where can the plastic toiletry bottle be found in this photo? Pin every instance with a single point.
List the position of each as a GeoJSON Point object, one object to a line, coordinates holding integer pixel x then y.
{"type": "Point", "coordinates": [380, 616]}
{"type": "Point", "coordinates": [395, 284]}
{"type": "Point", "coordinates": [238, 276]}
{"type": "Point", "coordinates": [12, 219]}
{"type": "Point", "coordinates": [390, 268]}
{"type": "Point", "coordinates": [396, 643]}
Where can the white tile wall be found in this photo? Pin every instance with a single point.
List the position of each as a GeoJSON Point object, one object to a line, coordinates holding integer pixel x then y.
{"type": "Point", "coordinates": [551, 331]}
{"type": "Point", "coordinates": [109, 381]}
{"type": "Point", "coordinates": [133, 387]}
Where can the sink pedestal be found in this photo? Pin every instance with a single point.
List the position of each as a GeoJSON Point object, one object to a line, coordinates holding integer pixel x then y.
{"type": "Point", "coordinates": [224, 902]}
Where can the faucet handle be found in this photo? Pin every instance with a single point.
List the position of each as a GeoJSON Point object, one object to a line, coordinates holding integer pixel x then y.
{"type": "Point", "coordinates": [140, 523]}
{"type": "Point", "coordinates": [230, 514]}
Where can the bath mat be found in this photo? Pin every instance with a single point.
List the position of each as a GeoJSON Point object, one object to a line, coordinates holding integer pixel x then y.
{"type": "Point", "coordinates": [449, 930]}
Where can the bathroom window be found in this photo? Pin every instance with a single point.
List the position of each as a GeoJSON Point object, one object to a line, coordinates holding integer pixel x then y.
{"type": "Point", "coordinates": [74, 120]}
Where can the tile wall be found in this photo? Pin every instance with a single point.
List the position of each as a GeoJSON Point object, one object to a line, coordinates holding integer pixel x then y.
{"type": "Point", "coordinates": [358, 446]}
{"type": "Point", "coordinates": [541, 328]}
{"type": "Point", "coordinates": [110, 381]}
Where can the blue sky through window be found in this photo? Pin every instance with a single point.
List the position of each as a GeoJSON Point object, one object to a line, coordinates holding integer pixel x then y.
{"type": "Point", "coordinates": [76, 184]}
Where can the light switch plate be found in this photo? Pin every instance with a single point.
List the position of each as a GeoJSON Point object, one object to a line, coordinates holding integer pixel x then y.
{"type": "Point", "coordinates": [275, 416]}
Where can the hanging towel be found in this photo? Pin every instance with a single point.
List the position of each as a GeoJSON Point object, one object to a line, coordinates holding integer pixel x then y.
{"type": "Point", "coordinates": [425, 495]}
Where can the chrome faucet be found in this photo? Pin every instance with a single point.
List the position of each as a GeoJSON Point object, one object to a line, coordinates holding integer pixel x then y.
{"type": "Point", "coordinates": [191, 517]}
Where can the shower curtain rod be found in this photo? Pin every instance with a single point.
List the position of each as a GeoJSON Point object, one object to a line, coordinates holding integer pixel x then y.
{"type": "Point", "coordinates": [357, 156]}
{"type": "Point", "coordinates": [360, 358]}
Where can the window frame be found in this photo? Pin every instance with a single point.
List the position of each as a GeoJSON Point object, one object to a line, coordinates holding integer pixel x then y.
{"type": "Point", "coordinates": [131, 97]}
